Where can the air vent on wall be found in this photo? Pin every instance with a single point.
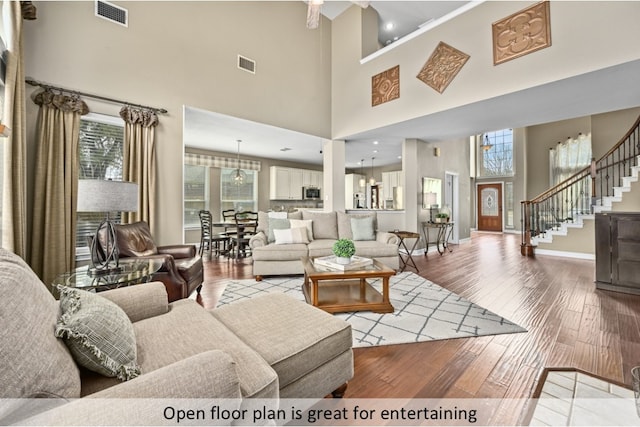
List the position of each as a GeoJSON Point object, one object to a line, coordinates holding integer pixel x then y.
{"type": "Point", "coordinates": [246, 64]}
{"type": "Point", "coordinates": [113, 13]}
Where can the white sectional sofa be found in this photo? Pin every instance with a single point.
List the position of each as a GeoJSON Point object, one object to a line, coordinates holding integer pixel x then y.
{"type": "Point", "coordinates": [273, 256]}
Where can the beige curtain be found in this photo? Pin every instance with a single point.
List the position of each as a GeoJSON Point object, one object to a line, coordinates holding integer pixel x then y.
{"type": "Point", "coordinates": [14, 201]}
{"type": "Point", "coordinates": [139, 162]}
{"type": "Point", "coordinates": [56, 184]}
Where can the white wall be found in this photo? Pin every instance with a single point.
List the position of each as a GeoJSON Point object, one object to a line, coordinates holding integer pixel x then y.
{"type": "Point", "coordinates": [184, 53]}
{"type": "Point", "coordinates": [586, 36]}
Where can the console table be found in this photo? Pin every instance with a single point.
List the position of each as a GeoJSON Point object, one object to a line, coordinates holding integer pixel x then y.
{"type": "Point", "coordinates": [444, 232]}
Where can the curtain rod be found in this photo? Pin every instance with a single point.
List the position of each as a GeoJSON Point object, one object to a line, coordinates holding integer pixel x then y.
{"type": "Point", "coordinates": [89, 95]}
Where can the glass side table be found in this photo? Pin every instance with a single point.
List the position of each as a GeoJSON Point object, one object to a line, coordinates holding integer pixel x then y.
{"type": "Point", "coordinates": [134, 271]}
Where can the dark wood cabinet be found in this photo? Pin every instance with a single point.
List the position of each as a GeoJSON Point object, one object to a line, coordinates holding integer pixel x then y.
{"type": "Point", "coordinates": [618, 252]}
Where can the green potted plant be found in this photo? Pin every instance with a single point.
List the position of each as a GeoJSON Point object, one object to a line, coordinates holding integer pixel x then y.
{"type": "Point", "coordinates": [442, 217]}
{"type": "Point", "coordinates": [343, 249]}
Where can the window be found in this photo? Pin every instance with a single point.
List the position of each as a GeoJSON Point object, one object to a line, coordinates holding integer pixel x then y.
{"type": "Point", "coordinates": [243, 197]}
{"type": "Point", "coordinates": [495, 154]}
{"type": "Point", "coordinates": [196, 193]}
{"type": "Point", "coordinates": [100, 152]}
{"type": "Point", "coordinates": [508, 200]}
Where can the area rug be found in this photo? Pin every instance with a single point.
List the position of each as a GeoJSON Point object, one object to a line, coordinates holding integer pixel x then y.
{"type": "Point", "coordinates": [424, 311]}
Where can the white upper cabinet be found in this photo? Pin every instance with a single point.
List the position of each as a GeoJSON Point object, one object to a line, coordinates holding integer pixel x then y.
{"type": "Point", "coordinates": [287, 183]}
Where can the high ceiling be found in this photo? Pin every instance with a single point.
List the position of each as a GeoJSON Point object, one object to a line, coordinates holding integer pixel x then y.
{"type": "Point", "coordinates": [213, 131]}
{"type": "Point", "coordinates": [597, 92]}
{"type": "Point", "coordinates": [398, 18]}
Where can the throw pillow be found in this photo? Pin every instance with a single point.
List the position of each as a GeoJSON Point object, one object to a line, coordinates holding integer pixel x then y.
{"type": "Point", "coordinates": [98, 333]}
{"type": "Point", "coordinates": [291, 235]}
{"type": "Point", "coordinates": [324, 224]}
{"type": "Point", "coordinates": [307, 223]}
{"type": "Point", "coordinates": [282, 215]}
{"type": "Point", "coordinates": [362, 228]}
{"type": "Point", "coordinates": [276, 224]}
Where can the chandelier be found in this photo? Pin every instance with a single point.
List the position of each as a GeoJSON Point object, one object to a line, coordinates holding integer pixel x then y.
{"type": "Point", "coordinates": [238, 176]}
{"type": "Point", "coordinates": [487, 145]}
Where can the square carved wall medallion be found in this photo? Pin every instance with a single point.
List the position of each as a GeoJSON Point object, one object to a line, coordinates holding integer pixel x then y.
{"type": "Point", "coordinates": [442, 66]}
{"type": "Point", "coordinates": [385, 86]}
{"type": "Point", "coordinates": [521, 33]}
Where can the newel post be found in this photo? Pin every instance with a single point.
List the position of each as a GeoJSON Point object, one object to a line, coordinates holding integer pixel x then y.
{"type": "Point", "coordinates": [526, 248]}
{"type": "Point", "coordinates": [593, 171]}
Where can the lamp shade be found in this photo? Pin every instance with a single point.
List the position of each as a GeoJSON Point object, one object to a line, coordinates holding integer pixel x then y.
{"type": "Point", "coordinates": [96, 195]}
{"type": "Point", "coordinates": [429, 199]}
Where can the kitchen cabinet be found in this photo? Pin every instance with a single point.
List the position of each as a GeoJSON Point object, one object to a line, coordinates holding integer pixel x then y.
{"type": "Point", "coordinates": [352, 186]}
{"type": "Point", "coordinates": [389, 181]}
{"type": "Point", "coordinates": [287, 183]}
{"type": "Point", "coordinates": [618, 252]}
{"type": "Point", "coordinates": [311, 178]}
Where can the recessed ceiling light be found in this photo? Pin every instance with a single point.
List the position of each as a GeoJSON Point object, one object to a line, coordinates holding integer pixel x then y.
{"type": "Point", "coordinates": [375, 142]}
{"type": "Point", "coordinates": [399, 157]}
{"type": "Point", "coordinates": [375, 151]}
{"type": "Point", "coordinates": [389, 26]}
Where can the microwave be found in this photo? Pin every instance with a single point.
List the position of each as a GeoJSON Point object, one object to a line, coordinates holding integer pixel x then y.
{"type": "Point", "coordinates": [310, 193]}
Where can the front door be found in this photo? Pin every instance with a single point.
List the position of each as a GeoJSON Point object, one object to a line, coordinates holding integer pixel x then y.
{"type": "Point", "coordinates": [490, 207]}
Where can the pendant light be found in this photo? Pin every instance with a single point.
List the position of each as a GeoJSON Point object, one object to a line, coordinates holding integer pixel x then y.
{"type": "Point", "coordinates": [362, 182]}
{"type": "Point", "coordinates": [238, 176]}
{"type": "Point", "coordinates": [372, 180]}
{"type": "Point", "coordinates": [487, 145]}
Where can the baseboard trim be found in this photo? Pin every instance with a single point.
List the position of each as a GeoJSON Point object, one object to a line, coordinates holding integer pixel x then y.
{"type": "Point", "coordinates": [563, 254]}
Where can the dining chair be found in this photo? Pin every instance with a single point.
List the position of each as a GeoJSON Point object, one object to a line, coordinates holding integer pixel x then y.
{"type": "Point", "coordinates": [246, 225]}
{"type": "Point", "coordinates": [229, 221]}
{"type": "Point", "coordinates": [208, 239]}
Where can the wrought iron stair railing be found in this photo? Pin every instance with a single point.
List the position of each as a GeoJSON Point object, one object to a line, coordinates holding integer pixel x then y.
{"type": "Point", "coordinates": [578, 194]}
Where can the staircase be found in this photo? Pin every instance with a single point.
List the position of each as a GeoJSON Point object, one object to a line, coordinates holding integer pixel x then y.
{"type": "Point", "coordinates": [560, 221]}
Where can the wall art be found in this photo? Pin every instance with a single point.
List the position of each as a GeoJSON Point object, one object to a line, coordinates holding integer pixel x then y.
{"type": "Point", "coordinates": [521, 33]}
{"type": "Point", "coordinates": [385, 86]}
{"type": "Point", "coordinates": [442, 66]}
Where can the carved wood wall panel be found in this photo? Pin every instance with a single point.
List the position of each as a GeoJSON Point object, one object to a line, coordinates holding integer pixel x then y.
{"type": "Point", "coordinates": [442, 66]}
{"type": "Point", "coordinates": [521, 33]}
{"type": "Point", "coordinates": [385, 86]}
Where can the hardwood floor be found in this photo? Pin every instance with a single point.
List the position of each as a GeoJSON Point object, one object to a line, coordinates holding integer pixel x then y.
{"type": "Point", "coordinates": [569, 323]}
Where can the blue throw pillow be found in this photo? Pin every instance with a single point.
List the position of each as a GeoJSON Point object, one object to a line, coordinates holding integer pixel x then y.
{"type": "Point", "coordinates": [362, 228]}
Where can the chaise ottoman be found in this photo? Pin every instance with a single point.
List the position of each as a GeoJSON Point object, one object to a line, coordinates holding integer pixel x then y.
{"type": "Point", "coordinates": [309, 349]}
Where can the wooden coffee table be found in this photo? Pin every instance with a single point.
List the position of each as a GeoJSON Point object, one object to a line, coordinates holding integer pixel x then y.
{"type": "Point", "coordinates": [338, 291]}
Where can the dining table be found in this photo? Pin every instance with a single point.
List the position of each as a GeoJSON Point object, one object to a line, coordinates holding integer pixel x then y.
{"type": "Point", "coordinates": [239, 228]}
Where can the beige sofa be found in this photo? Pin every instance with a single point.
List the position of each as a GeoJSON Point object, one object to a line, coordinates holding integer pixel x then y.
{"type": "Point", "coordinates": [271, 258]}
{"type": "Point", "coordinates": [181, 350]}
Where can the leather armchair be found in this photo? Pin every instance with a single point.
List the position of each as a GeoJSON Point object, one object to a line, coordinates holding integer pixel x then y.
{"type": "Point", "coordinates": [181, 270]}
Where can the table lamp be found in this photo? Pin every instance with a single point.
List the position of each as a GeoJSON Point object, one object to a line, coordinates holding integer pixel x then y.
{"type": "Point", "coordinates": [430, 201]}
{"type": "Point", "coordinates": [95, 195]}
